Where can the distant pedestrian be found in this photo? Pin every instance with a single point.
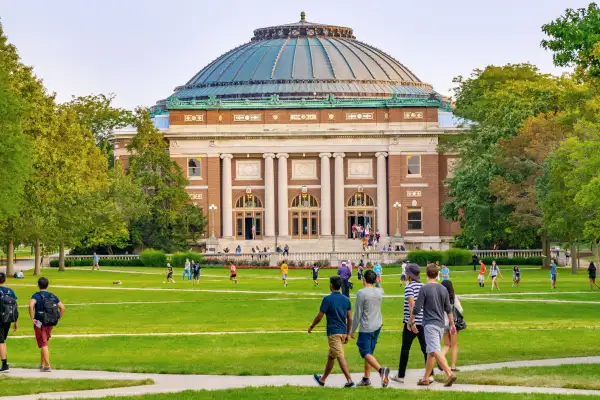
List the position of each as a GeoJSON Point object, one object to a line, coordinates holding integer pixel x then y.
{"type": "Point", "coordinates": [516, 276]}
{"type": "Point", "coordinates": [186, 270]}
{"type": "Point", "coordinates": [367, 314]}
{"type": "Point", "coordinates": [481, 276]}
{"type": "Point", "coordinates": [286, 250]}
{"type": "Point", "coordinates": [451, 341]}
{"type": "Point", "coordinates": [379, 271]}
{"type": "Point", "coordinates": [195, 269]}
{"type": "Point", "coordinates": [403, 273]}
{"type": "Point", "coordinates": [360, 270]}
{"type": "Point", "coordinates": [253, 232]}
{"type": "Point", "coordinates": [315, 274]}
{"type": "Point", "coordinates": [592, 275]}
{"type": "Point", "coordinates": [45, 310]}
{"type": "Point", "coordinates": [345, 274]}
{"type": "Point", "coordinates": [233, 273]}
{"type": "Point", "coordinates": [434, 300]}
{"type": "Point", "coordinates": [10, 314]}
{"type": "Point", "coordinates": [553, 274]}
{"type": "Point", "coordinates": [377, 236]}
{"type": "Point", "coordinates": [96, 262]}
{"type": "Point", "coordinates": [283, 268]}
{"type": "Point", "coordinates": [338, 310]}
{"type": "Point", "coordinates": [494, 272]}
{"type": "Point", "coordinates": [445, 273]}
{"type": "Point", "coordinates": [170, 271]}
{"type": "Point", "coordinates": [411, 293]}
{"type": "Point", "coordinates": [475, 261]}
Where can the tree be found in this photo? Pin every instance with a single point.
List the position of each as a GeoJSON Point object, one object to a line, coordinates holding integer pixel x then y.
{"type": "Point", "coordinates": [166, 225]}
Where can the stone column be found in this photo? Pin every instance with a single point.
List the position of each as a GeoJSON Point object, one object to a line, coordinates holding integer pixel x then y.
{"type": "Point", "coordinates": [340, 226]}
{"type": "Point", "coordinates": [382, 215]}
{"type": "Point", "coordinates": [325, 194]}
{"type": "Point", "coordinates": [226, 208]}
{"type": "Point", "coordinates": [282, 194]}
{"type": "Point", "coordinates": [269, 195]}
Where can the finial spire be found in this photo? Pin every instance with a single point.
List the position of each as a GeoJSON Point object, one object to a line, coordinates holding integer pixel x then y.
{"type": "Point", "coordinates": [302, 16]}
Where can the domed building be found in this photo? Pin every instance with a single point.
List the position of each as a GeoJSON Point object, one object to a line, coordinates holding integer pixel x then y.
{"type": "Point", "coordinates": [304, 135]}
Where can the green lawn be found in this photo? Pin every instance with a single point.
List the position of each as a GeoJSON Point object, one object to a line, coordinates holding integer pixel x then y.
{"type": "Point", "coordinates": [275, 318]}
{"type": "Point", "coordinates": [21, 386]}
{"type": "Point", "coordinates": [576, 376]}
{"type": "Point", "coordinates": [297, 393]}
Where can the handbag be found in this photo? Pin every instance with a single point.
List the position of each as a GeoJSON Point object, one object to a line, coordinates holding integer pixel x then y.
{"type": "Point", "coordinates": [459, 320]}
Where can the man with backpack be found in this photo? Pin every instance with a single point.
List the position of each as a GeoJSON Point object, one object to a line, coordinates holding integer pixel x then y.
{"type": "Point", "coordinates": [45, 310]}
{"type": "Point", "coordinates": [8, 314]}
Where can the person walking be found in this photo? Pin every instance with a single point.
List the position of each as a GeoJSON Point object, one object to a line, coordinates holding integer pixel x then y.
{"type": "Point", "coordinates": [434, 301]}
{"type": "Point", "coordinates": [367, 314]}
{"type": "Point", "coordinates": [403, 273]}
{"type": "Point", "coordinates": [494, 272]}
{"type": "Point", "coordinates": [338, 310]}
{"type": "Point", "coordinates": [481, 276]}
{"type": "Point", "coordinates": [360, 269]}
{"type": "Point", "coordinates": [451, 341]}
{"type": "Point", "coordinates": [170, 272]}
{"type": "Point", "coordinates": [379, 271]}
{"type": "Point", "coordinates": [345, 274]}
{"type": "Point", "coordinates": [283, 268]}
{"type": "Point", "coordinates": [445, 273]}
{"type": "Point", "coordinates": [411, 293]}
{"type": "Point", "coordinates": [10, 314]}
{"type": "Point", "coordinates": [186, 269]}
{"type": "Point", "coordinates": [475, 261]}
{"type": "Point", "coordinates": [553, 275]}
{"type": "Point", "coordinates": [315, 274]}
{"type": "Point", "coordinates": [516, 276]}
{"type": "Point", "coordinates": [196, 273]}
{"type": "Point", "coordinates": [45, 310]}
{"type": "Point", "coordinates": [96, 262]}
{"type": "Point", "coordinates": [592, 275]}
{"type": "Point", "coordinates": [233, 273]}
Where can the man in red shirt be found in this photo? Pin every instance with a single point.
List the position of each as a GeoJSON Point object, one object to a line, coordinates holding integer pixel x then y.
{"type": "Point", "coordinates": [233, 271]}
{"type": "Point", "coordinates": [481, 277]}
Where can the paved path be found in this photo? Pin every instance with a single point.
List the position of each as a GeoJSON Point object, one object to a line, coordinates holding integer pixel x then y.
{"type": "Point", "coordinates": [175, 383]}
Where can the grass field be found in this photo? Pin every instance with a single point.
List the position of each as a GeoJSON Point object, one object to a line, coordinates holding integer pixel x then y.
{"type": "Point", "coordinates": [21, 386]}
{"type": "Point", "coordinates": [258, 327]}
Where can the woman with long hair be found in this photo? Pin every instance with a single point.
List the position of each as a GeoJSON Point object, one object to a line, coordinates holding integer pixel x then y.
{"type": "Point", "coordinates": [451, 341]}
{"type": "Point", "coordinates": [494, 272]}
{"type": "Point", "coordinates": [592, 275]}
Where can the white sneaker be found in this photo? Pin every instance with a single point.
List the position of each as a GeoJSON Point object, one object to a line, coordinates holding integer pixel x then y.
{"type": "Point", "coordinates": [397, 379]}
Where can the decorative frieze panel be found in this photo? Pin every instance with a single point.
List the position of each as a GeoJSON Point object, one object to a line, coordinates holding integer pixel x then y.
{"type": "Point", "coordinates": [193, 117]}
{"type": "Point", "coordinates": [247, 117]}
{"type": "Point", "coordinates": [360, 168]}
{"type": "Point", "coordinates": [248, 170]}
{"type": "Point", "coordinates": [303, 117]}
{"type": "Point", "coordinates": [196, 196]}
{"type": "Point", "coordinates": [359, 116]}
{"type": "Point", "coordinates": [413, 115]}
{"type": "Point", "coordinates": [413, 193]}
{"type": "Point", "coordinates": [451, 164]}
{"type": "Point", "coordinates": [304, 169]}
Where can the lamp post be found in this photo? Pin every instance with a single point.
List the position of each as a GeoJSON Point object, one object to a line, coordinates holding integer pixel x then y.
{"type": "Point", "coordinates": [212, 208]}
{"type": "Point", "coordinates": [397, 206]}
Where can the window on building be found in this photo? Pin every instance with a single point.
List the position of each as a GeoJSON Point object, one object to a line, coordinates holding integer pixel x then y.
{"type": "Point", "coordinates": [304, 200]}
{"type": "Point", "coordinates": [359, 199]}
{"type": "Point", "coordinates": [414, 165]}
{"type": "Point", "coordinates": [193, 167]}
{"type": "Point", "coordinates": [415, 219]}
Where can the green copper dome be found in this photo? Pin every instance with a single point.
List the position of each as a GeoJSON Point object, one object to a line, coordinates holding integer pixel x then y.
{"type": "Point", "coordinates": [303, 60]}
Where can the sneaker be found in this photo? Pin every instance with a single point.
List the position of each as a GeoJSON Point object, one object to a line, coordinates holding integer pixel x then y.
{"type": "Point", "coordinates": [4, 368]}
{"type": "Point", "coordinates": [40, 367]}
{"type": "Point", "coordinates": [431, 380]}
{"type": "Point", "coordinates": [397, 379]}
{"type": "Point", "coordinates": [365, 382]}
{"type": "Point", "coordinates": [385, 373]}
{"type": "Point", "coordinates": [46, 369]}
{"type": "Point", "coordinates": [317, 378]}
{"type": "Point", "coordinates": [349, 385]}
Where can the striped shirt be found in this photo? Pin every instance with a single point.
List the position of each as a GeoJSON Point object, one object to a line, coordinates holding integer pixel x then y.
{"type": "Point", "coordinates": [412, 290]}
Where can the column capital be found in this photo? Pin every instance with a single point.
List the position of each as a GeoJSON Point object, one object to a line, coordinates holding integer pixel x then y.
{"type": "Point", "coordinates": [381, 154]}
{"type": "Point", "coordinates": [282, 155]}
{"type": "Point", "coordinates": [341, 155]}
{"type": "Point", "coordinates": [224, 156]}
{"type": "Point", "coordinates": [268, 155]}
{"type": "Point", "coordinates": [321, 155]}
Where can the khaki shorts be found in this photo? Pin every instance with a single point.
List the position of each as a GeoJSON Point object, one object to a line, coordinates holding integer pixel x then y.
{"type": "Point", "coordinates": [336, 345]}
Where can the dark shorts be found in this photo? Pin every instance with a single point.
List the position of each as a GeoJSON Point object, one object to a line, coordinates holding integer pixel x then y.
{"type": "Point", "coordinates": [553, 277]}
{"type": "Point", "coordinates": [592, 276]}
{"type": "Point", "coordinates": [169, 275]}
{"type": "Point", "coordinates": [196, 275]}
{"type": "Point", "coordinates": [403, 277]}
{"type": "Point", "coordinates": [42, 335]}
{"type": "Point", "coordinates": [366, 342]}
{"type": "Point", "coordinates": [233, 276]}
{"type": "Point", "coordinates": [4, 329]}
{"type": "Point", "coordinates": [360, 276]}
{"type": "Point", "coordinates": [315, 277]}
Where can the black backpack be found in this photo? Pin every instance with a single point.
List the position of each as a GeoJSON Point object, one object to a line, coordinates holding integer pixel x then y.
{"type": "Point", "coordinates": [47, 310]}
{"type": "Point", "coordinates": [8, 308]}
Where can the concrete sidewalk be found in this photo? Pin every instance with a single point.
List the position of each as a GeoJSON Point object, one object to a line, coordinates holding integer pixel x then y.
{"type": "Point", "coordinates": [176, 383]}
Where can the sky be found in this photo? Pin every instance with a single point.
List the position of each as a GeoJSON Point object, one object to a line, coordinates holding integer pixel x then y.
{"type": "Point", "coordinates": [141, 50]}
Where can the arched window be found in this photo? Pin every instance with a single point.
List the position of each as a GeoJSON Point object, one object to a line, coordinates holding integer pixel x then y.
{"type": "Point", "coordinates": [194, 167]}
{"type": "Point", "coordinates": [359, 199]}
{"type": "Point", "coordinates": [248, 201]}
{"type": "Point", "coordinates": [304, 200]}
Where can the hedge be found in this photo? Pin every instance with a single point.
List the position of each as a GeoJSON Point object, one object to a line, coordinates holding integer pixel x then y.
{"type": "Point", "coordinates": [452, 256]}
{"type": "Point", "coordinates": [422, 257]}
{"type": "Point", "coordinates": [178, 259]}
{"type": "Point", "coordinates": [87, 262]}
{"type": "Point", "coordinates": [153, 258]}
{"type": "Point", "coordinates": [514, 260]}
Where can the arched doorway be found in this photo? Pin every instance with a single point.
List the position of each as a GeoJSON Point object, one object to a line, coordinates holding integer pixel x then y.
{"type": "Point", "coordinates": [360, 210]}
{"type": "Point", "coordinates": [305, 213]}
{"type": "Point", "coordinates": [248, 213]}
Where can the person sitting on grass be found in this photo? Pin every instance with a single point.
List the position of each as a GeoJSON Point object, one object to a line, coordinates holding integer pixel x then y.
{"type": "Point", "coordinates": [232, 273]}
{"type": "Point", "coordinates": [170, 271]}
{"type": "Point", "coordinates": [516, 276]}
{"type": "Point", "coordinates": [283, 268]}
{"type": "Point", "coordinates": [434, 300]}
{"type": "Point", "coordinates": [367, 314]}
{"type": "Point", "coordinates": [338, 310]}
{"type": "Point", "coordinates": [592, 275]}
{"type": "Point", "coordinates": [315, 274]}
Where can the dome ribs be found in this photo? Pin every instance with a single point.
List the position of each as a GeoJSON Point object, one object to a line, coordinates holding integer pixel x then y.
{"type": "Point", "coordinates": [256, 47]}
{"type": "Point", "coordinates": [343, 57]}
{"type": "Point", "coordinates": [345, 43]}
{"type": "Point", "coordinates": [328, 57]}
{"type": "Point", "coordinates": [279, 55]}
{"type": "Point", "coordinates": [358, 46]}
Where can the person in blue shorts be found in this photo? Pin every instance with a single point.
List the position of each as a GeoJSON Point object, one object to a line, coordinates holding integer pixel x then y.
{"type": "Point", "coordinates": [553, 274]}
{"type": "Point", "coordinates": [315, 274]}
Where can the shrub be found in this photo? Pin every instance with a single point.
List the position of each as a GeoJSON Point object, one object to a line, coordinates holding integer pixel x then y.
{"type": "Point", "coordinates": [153, 258]}
{"type": "Point", "coordinates": [87, 262]}
{"type": "Point", "coordinates": [422, 257]}
{"type": "Point", "coordinates": [513, 261]}
{"type": "Point", "coordinates": [457, 256]}
{"type": "Point", "coordinates": [178, 259]}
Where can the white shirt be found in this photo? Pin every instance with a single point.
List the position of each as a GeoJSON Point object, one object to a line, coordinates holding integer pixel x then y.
{"type": "Point", "coordinates": [403, 268]}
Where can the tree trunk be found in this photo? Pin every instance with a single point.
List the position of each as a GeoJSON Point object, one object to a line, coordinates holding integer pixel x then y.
{"type": "Point", "coordinates": [545, 251]}
{"type": "Point", "coordinates": [574, 259]}
{"type": "Point", "coordinates": [38, 254]}
{"type": "Point", "coordinates": [10, 258]}
{"type": "Point", "coordinates": [61, 257]}
{"type": "Point", "coordinates": [596, 252]}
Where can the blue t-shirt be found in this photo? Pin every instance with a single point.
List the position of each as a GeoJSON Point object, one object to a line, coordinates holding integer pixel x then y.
{"type": "Point", "coordinates": [445, 274]}
{"type": "Point", "coordinates": [96, 258]}
{"type": "Point", "coordinates": [553, 269]}
{"type": "Point", "coordinates": [336, 307]}
{"type": "Point", "coordinates": [377, 269]}
{"type": "Point", "coordinates": [38, 298]}
{"type": "Point", "coordinates": [8, 291]}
